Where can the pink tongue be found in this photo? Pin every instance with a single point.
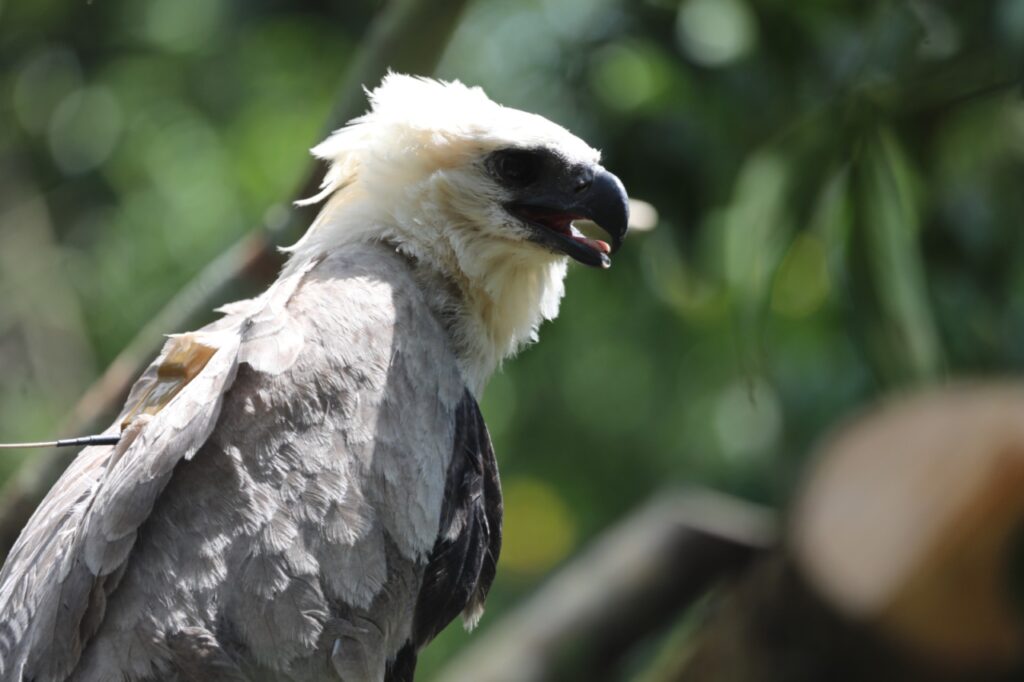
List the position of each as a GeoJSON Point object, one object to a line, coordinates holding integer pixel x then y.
{"type": "Point", "coordinates": [595, 244]}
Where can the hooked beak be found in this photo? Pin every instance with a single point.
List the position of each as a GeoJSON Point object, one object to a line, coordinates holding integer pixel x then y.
{"type": "Point", "coordinates": [593, 194]}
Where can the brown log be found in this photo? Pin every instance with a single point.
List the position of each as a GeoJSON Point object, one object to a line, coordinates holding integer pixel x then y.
{"type": "Point", "coordinates": [903, 556]}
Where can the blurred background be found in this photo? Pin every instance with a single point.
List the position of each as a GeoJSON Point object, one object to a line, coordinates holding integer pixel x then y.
{"type": "Point", "coordinates": [839, 184]}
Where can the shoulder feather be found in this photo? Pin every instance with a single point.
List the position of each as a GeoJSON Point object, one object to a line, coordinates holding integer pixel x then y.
{"type": "Point", "coordinates": [69, 558]}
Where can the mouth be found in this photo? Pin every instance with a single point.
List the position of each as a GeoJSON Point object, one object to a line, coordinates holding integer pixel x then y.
{"type": "Point", "coordinates": [596, 196]}
{"type": "Point", "coordinates": [554, 228]}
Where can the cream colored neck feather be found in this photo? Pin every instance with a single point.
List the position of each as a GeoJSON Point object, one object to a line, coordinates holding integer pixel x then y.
{"type": "Point", "coordinates": [491, 294]}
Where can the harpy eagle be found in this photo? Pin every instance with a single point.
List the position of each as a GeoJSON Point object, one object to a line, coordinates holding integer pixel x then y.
{"type": "Point", "coordinates": [305, 489]}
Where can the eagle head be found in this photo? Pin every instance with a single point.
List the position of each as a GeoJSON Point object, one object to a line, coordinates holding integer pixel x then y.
{"type": "Point", "coordinates": [483, 194]}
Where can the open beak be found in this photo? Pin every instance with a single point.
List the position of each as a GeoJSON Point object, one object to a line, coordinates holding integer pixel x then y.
{"type": "Point", "coordinates": [592, 194]}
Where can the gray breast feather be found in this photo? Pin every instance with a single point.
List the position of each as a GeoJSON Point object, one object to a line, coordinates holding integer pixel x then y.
{"type": "Point", "coordinates": [283, 506]}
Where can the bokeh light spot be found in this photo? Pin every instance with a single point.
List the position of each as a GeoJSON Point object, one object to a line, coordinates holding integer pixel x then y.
{"type": "Point", "coordinates": [84, 129]}
{"type": "Point", "coordinates": [671, 279]}
{"type": "Point", "coordinates": [626, 77]}
{"type": "Point", "coordinates": [715, 32]}
{"type": "Point", "coordinates": [182, 25]}
{"type": "Point", "coordinates": [45, 79]}
{"type": "Point", "coordinates": [572, 18]}
{"type": "Point", "coordinates": [643, 217]}
{"type": "Point", "coordinates": [539, 529]}
{"type": "Point", "coordinates": [1009, 20]}
{"type": "Point", "coordinates": [801, 282]}
{"type": "Point", "coordinates": [748, 418]}
{"type": "Point", "coordinates": [940, 37]}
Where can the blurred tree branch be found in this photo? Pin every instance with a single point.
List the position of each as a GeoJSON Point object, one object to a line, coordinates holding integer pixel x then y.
{"type": "Point", "coordinates": [774, 627]}
{"type": "Point", "coordinates": [408, 36]}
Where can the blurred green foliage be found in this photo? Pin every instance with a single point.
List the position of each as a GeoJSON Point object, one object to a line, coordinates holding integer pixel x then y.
{"type": "Point", "coordinates": [839, 185]}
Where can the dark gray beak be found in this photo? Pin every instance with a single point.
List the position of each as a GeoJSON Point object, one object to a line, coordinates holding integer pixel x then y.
{"type": "Point", "coordinates": [590, 193]}
{"type": "Point", "coordinates": [606, 203]}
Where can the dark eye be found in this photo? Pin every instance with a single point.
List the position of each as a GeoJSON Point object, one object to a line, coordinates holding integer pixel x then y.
{"type": "Point", "coordinates": [518, 167]}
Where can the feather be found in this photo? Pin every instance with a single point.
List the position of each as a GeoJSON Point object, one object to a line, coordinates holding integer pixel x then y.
{"type": "Point", "coordinates": [274, 501]}
{"type": "Point", "coordinates": [463, 561]}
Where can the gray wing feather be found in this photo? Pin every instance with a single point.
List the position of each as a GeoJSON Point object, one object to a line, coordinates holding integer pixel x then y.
{"type": "Point", "coordinates": [86, 526]}
{"type": "Point", "coordinates": [70, 556]}
{"type": "Point", "coordinates": [296, 536]}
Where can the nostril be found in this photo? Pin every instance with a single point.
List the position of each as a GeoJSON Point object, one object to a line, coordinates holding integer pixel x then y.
{"type": "Point", "coordinates": [584, 179]}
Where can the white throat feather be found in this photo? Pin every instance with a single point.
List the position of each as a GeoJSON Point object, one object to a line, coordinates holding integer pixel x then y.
{"type": "Point", "coordinates": [410, 173]}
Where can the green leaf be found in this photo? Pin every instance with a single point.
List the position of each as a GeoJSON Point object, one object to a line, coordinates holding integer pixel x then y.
{"type": "Point", "coordinates": [890, 287]}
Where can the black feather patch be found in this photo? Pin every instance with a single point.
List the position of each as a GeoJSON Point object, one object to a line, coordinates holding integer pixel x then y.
{"type": "Point", "coordinates": [403, 667]}
{"type": "Point", "coordinates": [465, 556]}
